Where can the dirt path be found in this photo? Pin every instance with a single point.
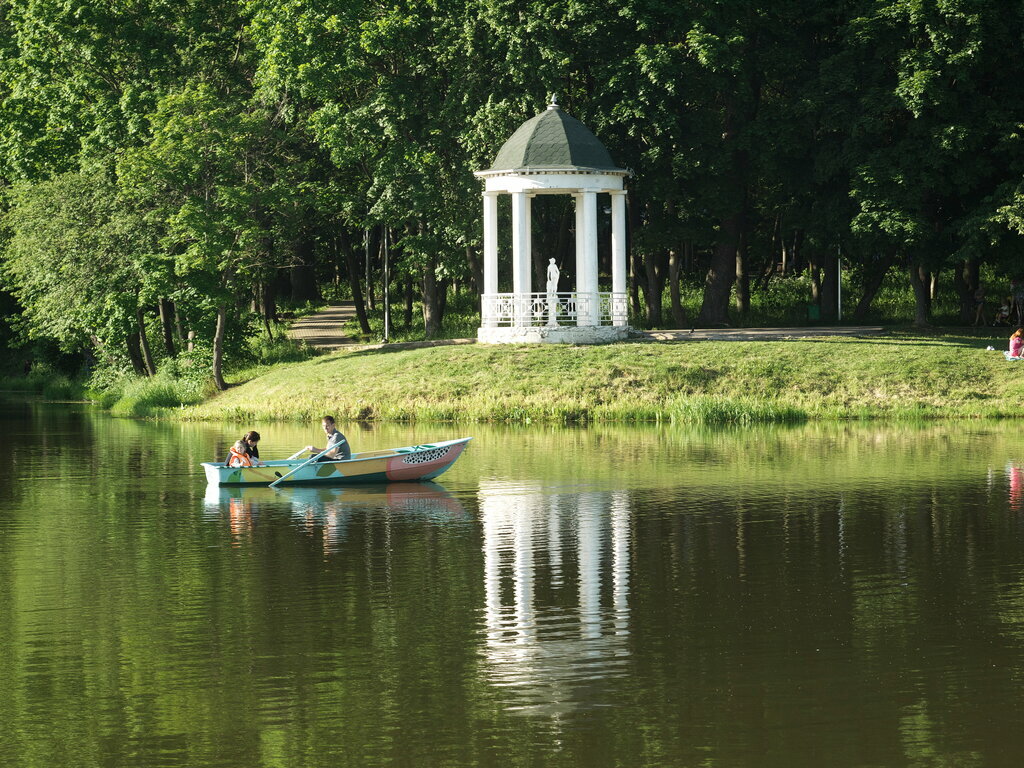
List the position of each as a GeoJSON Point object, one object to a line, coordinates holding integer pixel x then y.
{"type": "Point", "coordinates": [762, 334]}
{"type": "Point", "coordinates": [325, 330]}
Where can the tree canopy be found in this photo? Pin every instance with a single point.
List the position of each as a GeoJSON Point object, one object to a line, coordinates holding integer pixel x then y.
{"type": "Point", "coordinates": [214, 159]}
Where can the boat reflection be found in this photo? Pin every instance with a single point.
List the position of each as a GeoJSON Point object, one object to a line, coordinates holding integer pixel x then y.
{"type": "Point", "coordinates": [1016, 475]}
{"type": "Point", "coordinates": [550, 654]}
{"type": "Point", "coordinates": [328, 508]}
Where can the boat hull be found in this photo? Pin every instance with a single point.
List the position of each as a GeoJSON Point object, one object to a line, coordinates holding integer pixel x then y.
{"type": "Point", "coordinates": [416, 462]}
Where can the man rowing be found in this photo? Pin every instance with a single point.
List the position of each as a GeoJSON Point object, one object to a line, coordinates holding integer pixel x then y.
{"type": "Point", "coordinates": [337, 446]}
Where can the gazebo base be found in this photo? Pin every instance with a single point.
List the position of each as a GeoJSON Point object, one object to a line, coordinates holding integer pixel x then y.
{"type": "Point", "coordinates": [559, 334]}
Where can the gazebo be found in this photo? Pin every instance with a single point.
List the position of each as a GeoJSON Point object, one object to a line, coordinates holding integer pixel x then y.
{"type": "Point", "coordinates": [554, 154]}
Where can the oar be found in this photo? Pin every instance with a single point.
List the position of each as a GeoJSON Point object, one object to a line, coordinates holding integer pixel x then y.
{"type": "Point", "coordinates": [308, 461]}
{"type": "Point", "coordinates": [296, 454]}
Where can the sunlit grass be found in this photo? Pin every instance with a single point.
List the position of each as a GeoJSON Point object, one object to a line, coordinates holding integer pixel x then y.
{"type": "Point", "coordinates": [895, 376]}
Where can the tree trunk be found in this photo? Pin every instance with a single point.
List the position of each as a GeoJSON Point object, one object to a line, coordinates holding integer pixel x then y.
{"type": "Point", "coordinates": [374, 247]}
{"type": "Point", "coordinates": [303, 273]}
{"type": "Point", "coordinates": [442, 298]}
{"type": "Point", "coordinates": [431, 310]}
{"type": "Point", "coordinates": [134, 353]}
{"type": "Point", "coordinates": [921, 317]}
{"type": "Point", "coordinates": [678, 316]}
{"type": "Point", "coordinates": [634, 285]}
{"type": "Point", "coordinates": [635, 259]}
{"type": "Point", "coordinates": [177, 324]}
{"type": "Point", "coordinates": [268, 305]}
{"type": "Point", "coordinates": [926, 279]}
{"type": "Point", "coordinates": [218, 347]}
{"type": "Point", "coordinates": [407, 309]}
{"type": "Point", "coordinates": [354, 281]}
{"type": "Point", "coordinates": [966, 280]}
{"type": "Point", "coordinates": [167, 324]}
{"type": "Point", "coordinates": [147, 355]}
{"type": "Point", "coordinates": [873, 281]}
{"type": "Point", "coordinates": [742, 278]}
{"type": "Point", "coordinates": [830, 287]}
{"type": "Point", "coordinates": [714, 310]}
{"type": "Point", "coordinates": [796, 252]}
{"type": "Point", "coordinates": [653, 287]}
{"type": "Point", "coordinates": [476, 272]}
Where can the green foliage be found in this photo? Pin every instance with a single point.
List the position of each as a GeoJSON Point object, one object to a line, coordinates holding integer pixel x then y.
{"type": "Point", "coordinates": [70, 259]}
{"type": "Point", "coordinates": [196, 153]}
{"type": "Point", "coordinates": [44, 380]}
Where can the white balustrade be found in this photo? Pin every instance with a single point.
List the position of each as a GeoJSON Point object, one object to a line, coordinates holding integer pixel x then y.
{"type": "Point", "coordinates": [535, 309]}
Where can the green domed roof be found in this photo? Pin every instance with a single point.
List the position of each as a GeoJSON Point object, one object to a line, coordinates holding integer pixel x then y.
{"type": "Point", "coordinates": [553, 140]}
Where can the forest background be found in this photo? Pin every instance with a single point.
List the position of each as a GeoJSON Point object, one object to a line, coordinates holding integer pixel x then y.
{"type": "Point", "coordinates": [175, 173]}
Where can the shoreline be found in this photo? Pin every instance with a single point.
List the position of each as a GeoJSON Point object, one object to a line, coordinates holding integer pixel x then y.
{"type": "Point", "coordinates": [890, 376]}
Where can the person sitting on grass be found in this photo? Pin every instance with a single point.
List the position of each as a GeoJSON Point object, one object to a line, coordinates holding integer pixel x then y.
{"type": "Point", "coordinates": [1002, 315]}
{"type": "Point", "coordinates": [1016, 345]}
{"type": "Point", "coordinates": [339, 447]}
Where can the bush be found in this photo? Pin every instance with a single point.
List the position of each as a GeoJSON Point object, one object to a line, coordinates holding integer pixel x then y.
{"type": "Point", "coordinates": [279, 350]}
{"type": "Point", "coordinates": [44, 380]}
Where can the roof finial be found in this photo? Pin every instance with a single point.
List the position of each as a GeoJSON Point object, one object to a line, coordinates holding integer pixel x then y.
{"type": "Point", "coordinates": [554, 101]}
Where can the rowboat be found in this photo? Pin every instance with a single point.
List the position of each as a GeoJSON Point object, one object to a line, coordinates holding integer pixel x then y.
{"type": "Point", "coordinates": [414, 462]}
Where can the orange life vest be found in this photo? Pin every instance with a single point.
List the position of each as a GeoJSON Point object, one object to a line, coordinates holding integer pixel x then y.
{"type": "Point", "coordinates": [239, 459]}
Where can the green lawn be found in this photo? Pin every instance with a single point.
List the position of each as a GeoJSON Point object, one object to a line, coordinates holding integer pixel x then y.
{"type": "Point", "coordinates": [892, 376]}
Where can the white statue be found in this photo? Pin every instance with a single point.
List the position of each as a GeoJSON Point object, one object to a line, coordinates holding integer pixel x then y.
{"type": "Point", "coordinates": [552, 276]}
{"type": "Point", "coordinates": [552, 289]}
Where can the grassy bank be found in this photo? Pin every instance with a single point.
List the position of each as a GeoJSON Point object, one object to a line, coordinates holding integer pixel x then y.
{"type": "Point", "coordinates": [896, 376]}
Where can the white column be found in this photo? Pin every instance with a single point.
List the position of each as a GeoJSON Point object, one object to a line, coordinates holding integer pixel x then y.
{"type": "Point", "coordinates": [619, 314]}
{"type": "Point", "coordinates": [581, 271]}
{"type": "Point", "coordinates": [521, 256]}
{"type": "Point", "coordinates": [590, 255]}
{"type": "Point", "coordinates": [490, 254]}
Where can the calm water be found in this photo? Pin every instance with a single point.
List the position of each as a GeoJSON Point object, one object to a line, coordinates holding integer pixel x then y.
{"type": "Point", "coordinates": [820, 596]}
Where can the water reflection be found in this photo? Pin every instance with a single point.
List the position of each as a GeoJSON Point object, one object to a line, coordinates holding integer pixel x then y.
{"type": "Point", "coordinates": [328, 510]}
{"type": "Point", "coordinates": [651, 596]}
{"type": "Point", "coordinates": [540, 646]}
{"type": "Point", "coordinates": [1016, 475]}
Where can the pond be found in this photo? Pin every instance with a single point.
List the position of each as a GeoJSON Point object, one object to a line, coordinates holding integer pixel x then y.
{"type": "Point", "coordinates": [841, 595]}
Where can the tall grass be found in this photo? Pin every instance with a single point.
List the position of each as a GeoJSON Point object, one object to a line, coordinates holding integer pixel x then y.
{"type": "Point", "coordinates": [151, 396]}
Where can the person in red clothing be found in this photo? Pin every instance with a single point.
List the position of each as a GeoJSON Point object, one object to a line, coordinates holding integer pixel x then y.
{"type": "Point", "coordinates": [1016, 343]}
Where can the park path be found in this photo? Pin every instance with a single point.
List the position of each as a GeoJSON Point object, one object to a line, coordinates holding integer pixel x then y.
{"type": "Point", "coordinates": [762, 334]}
{"type": "Point", "coordinates": [325, 330]}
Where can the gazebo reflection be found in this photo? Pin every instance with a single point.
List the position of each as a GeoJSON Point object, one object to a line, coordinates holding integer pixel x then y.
{"type": "Point", "coordinates": [556, 582]}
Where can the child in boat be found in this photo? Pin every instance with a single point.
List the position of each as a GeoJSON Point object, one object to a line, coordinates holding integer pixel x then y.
{"type": "Point", "coordinates": [1016, 345]}
{"type": "Point", "coordinates": [239, 456]}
